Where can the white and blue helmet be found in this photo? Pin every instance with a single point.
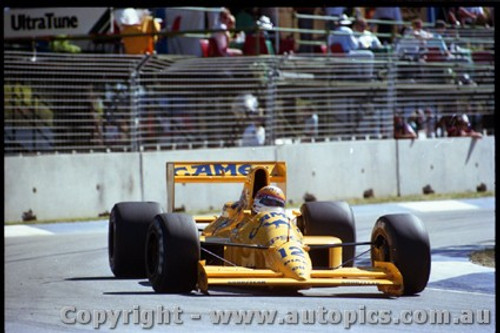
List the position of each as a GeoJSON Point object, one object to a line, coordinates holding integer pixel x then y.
{"type": "Point", "coordinates": [269, 199]}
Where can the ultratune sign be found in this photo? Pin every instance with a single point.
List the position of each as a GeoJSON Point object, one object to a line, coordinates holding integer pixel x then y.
{"type": "Point", "coordinates": [32, 22]}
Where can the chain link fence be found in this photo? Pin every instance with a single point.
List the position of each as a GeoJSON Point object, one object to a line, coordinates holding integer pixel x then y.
{"type": "Point", "coordinates": [63, 103]}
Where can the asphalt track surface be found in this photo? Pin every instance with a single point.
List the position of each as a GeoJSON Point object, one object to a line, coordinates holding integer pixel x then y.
{"type": "Point", "coordinates": [59, 272]}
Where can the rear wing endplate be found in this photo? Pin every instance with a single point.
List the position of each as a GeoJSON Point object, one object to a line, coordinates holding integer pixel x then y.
{"type": "Point", "coordinates": [217, 172]}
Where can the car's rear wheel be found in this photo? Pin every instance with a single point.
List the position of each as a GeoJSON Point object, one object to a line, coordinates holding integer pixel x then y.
{"type": "Point", "coordinates": [403, 240]}
{"type": "Point", "coordinates": [127, 228]}
{"type": "Point", "coordinates": [329, 218]}
{"type": "Point", "coordinates": [172, 253]}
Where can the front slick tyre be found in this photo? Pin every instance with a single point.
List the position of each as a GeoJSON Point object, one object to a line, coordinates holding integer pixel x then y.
{"type": "Point", "coordinates": [403, 240]}
{"type": "Point", "coordinates": [172, 253]}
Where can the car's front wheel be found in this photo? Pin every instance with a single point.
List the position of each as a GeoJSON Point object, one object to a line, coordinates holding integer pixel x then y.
{"type": "Point", "coordinates": [403, 240]}
{"type": "Point", "coordinates": [172, 253]}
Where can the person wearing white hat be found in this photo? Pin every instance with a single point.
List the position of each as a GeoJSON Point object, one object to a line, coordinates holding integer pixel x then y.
{"type": "Point", "coordinates": [343, 35]}
{"type": "Point", "coordinates": [136, 21]}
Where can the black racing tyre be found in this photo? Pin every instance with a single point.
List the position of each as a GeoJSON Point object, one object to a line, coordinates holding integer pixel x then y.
{"type": "Point", "coordinates": [128, 225]}
{"type": "Point", "coordinates": [172, 253]}
{"type": "Point", "coordinates": [329, 218]}
{"type": "Point", "coordinates": [403, 240]}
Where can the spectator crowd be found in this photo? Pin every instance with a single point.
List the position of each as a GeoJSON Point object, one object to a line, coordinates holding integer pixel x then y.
{"type": "Point", "coordinates": [236, 28]}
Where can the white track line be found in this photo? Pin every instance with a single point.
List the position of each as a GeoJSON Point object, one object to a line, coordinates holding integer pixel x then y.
{"type": "Point", "coordinates": [461, 291]}
{"type": "Point", "coordinates": [24, 230]}
{"type": "Point", "coordinates": [443, 270]}
{"type": "Point", "coordinates": [437, 206]}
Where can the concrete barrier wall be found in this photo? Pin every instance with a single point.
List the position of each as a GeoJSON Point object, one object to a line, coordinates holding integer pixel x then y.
{"type": "Point", "coordinates": [86, 185]}
{"type": "Point", "coordinates": [69, 186]}
{"type": "Point", "coordinates": [448, 165]}
{"type": "Point", "coordinates": [340, 170]}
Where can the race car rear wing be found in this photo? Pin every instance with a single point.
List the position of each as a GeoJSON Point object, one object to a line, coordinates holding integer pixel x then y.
{"type": "Point", "coordinates": [218, 172]}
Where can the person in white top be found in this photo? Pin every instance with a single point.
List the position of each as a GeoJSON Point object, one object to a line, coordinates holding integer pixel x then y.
{"type": "Point", "coordinates": [412, 45]}
{"type": "Point", "coordinates": [367, 39]}
{"type": "Point", "coordinates": [255, 133]}
{"type": "Point", "coordinates": [418, 31]}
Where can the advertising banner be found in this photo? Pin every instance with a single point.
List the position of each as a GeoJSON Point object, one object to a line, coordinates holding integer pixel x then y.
{"type": "Point", "coordinates": [36, 22]}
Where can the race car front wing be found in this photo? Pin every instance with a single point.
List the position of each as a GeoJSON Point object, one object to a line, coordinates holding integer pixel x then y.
{"type": "Point", "coordinates": [384, 275]}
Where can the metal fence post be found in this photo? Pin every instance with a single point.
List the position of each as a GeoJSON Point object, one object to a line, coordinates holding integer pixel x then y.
{"type": "Point", "coordinates": [134, 120]}
{"type": "Point", "coordinates": [135, 137]}
{"type": "Point", "coordinates": [270, 122]}
{"type": "Point", "coordinates": [391, 90]}
{"type": "Point", "coordinates": [392, 107]}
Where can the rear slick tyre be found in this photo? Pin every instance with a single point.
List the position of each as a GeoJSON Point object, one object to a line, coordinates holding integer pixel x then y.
{"type": "Point", "coordinates": [330, 218]}
{"type": "Point", "coordinates": [128, 225]}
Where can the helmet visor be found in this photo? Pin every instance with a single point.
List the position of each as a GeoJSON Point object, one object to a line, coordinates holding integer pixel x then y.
{"type": "Point", "coordinates": [270, 201]}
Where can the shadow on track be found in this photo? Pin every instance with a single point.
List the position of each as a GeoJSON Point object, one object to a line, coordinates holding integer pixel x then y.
{"type": "Point", "coordinates": [90, 278]}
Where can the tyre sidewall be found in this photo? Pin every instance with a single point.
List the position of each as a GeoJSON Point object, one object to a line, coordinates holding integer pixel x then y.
{"type": "Point", "coordinates": [175, 269]}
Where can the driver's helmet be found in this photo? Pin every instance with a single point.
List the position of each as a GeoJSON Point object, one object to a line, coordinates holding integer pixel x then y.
{"type": "Point", "coordinates": [269, 199]}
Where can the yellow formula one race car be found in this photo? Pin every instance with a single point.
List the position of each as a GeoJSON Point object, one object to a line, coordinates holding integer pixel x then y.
{"type": "Point", "coordinates": [255, 242]}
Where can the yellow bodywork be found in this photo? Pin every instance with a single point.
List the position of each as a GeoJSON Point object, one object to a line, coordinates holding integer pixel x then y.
{"type": "Point", "coordinates": [268, 249]}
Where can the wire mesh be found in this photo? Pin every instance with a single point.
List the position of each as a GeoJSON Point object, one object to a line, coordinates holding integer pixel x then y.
{"type": "Point", "coordinates": [59, 103]}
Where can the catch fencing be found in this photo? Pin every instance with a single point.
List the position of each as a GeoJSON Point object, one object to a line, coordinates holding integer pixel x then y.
{"type": "Point", "coordinates": [63, 103]}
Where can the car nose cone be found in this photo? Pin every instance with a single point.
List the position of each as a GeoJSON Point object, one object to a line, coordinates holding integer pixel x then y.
{"type": "Point", "coordinates": [292, 260]}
